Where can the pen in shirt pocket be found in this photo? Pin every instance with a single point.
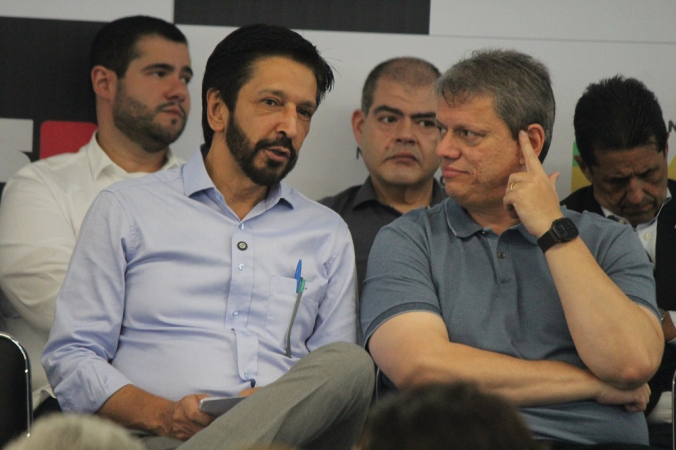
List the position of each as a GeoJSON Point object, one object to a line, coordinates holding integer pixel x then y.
{"type": "Point", "coordinates": [300, 287]}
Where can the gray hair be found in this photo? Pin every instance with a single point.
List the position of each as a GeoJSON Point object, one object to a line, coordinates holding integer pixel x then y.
{"type": "Point", "coordinates": [519, 84]}
{"type": "Point", "coordinates": [76, 432]}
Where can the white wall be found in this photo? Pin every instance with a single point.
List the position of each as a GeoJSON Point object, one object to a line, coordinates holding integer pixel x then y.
{"type": "Point", "coordinates": [580, 41]}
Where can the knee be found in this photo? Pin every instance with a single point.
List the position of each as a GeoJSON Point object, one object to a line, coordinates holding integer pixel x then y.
{"type": "Point", "coordinates": [352, 366]}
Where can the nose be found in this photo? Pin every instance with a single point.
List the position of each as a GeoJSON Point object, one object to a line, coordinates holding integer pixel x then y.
{"type": "Point", "coordinates": [635, 193]}
{"type": "Point", "coordinates": [178, 90]}
{"type": "Point", "coordinates": [447, 148]}
{"type": "Point", "coordinates": [405, 131]}
{"type": "Point", "coordinates": [288, 123]}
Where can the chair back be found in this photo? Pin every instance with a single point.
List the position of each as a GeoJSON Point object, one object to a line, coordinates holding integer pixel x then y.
{"type": "Point", "coordinates": [16, 402]}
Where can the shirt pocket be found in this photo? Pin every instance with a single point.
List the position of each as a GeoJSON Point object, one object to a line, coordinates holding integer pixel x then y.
{"type": "Point", "coordinates": [281, 303]}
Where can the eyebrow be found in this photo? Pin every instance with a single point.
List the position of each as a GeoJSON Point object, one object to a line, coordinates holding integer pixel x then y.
{"type": "Point", "coordinates": [168, 67]}
{"type": "Point", "coordinates": [278, 93]}
{"type": "Point", "coordinates": [399, 112]}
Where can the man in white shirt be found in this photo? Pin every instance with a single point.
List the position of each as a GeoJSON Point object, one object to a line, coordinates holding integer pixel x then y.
{"type": "Point", "coordinates": [140, 69]}
{"type": "Point", "coordinates": [622, 138]}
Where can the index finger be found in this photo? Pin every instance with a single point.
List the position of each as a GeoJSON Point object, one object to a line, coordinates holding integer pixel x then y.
{"type": "Point", "coordinates": [533, 164]}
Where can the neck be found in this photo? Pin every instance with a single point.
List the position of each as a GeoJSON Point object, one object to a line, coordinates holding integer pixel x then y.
{"type": "Point", "coordinates": [404, 198]}
{"type": "Point", "coordinates": [240, 193]}
{"type": "Point", "coordinates": [497, 219]}
{"type": "Point", "coordinates": [128, 154]}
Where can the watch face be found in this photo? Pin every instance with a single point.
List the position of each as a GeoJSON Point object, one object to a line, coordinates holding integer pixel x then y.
{"type": "Point", "coordinates": [565, 229]}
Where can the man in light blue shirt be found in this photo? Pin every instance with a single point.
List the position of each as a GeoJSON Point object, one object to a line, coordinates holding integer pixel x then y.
{"type": "Point", "coordinates": [216, 277]}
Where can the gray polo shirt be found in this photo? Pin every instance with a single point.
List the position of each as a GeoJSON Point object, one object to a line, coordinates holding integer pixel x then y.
{"type": "Point", "coordinates": [496, 293]}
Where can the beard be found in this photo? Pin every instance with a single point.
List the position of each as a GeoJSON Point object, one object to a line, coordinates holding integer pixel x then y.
{"type": "Point", "coordinates": [136, 121]}
{"type": "Point", "coordinates": [245, 155]}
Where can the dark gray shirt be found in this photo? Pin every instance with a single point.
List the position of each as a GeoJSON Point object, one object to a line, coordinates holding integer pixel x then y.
{"type": "Point", "coordinates": [365, 216]}
{"type": "Point", "coordinates": [496, 293]}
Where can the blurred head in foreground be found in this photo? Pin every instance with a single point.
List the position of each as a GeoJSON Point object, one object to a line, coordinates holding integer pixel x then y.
{"type": "Point", "coordinates": [448, 417]}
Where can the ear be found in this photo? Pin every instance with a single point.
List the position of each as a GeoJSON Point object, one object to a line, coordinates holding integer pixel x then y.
{"type": "Point", "coordinates": [583, 167]}
{"type": "Point", "coordinates": [666, 149]}
{"type": "Point", "coordinates": [217, 112]}
{"type": "Point", "coordinates": [104, 82]}
{"type": "Point", "coordinates": [536, 135]}
{"type": "Point", "coordinates": [358, 119]}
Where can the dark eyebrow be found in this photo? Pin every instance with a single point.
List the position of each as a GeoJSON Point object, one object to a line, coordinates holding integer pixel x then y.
{"type": "Point", "coordinates": [281, 94]}
{"type": "Point", "coordinates": [167, 67]}
{"type": "Point", "coordinates": [388, 109]}
{"type": "Point", "coordinates": [427, 115]}
{"type": "Point", "coordinates": [399, 112]}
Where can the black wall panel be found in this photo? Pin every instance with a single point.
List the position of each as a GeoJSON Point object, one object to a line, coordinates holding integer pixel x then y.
{"type": "Point", "coordinates": [382, 16]}
{"type": "Point", "coordinates": [45, 71]}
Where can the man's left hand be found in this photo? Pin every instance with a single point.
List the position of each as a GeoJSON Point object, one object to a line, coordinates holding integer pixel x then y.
{"type": "Point", "coordinates": [531, 195]}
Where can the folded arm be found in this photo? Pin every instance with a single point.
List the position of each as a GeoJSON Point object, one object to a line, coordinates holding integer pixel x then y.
{"type": "Point", "coordinates": [620, 341]}
{"type": "Point", "coordinates": [414, 348]}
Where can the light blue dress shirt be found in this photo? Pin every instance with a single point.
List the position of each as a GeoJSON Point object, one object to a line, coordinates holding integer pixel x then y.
{"type": "Point", "coordinates": [169, 291]}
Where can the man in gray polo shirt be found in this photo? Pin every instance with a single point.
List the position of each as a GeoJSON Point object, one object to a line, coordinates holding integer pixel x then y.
{"type": "Point", "coordinates": [500, 286]}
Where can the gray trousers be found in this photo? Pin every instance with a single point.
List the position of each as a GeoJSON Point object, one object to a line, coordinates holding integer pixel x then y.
{"type": "Point", "coordinates": [321, 403]}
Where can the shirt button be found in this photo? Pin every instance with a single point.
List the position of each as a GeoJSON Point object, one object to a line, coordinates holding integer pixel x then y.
{"type": "Point", "coordinates": [241, 226]}
{"type": "Point", "coordinates": [242, 245]}
{"type": "Point", "coordinates": [241, 267]}
{"type": "Point", "coordinates": [502, 255]}
{"type": "Point", "coordinates": [246, 375]}
{"type": "Point", "coordinates": [646, 236]}
{"type": "Point", "coordinates": [235, 314]}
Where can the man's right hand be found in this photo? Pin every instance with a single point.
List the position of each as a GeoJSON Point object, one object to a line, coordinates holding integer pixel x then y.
{"type": "Point", "coordinates": [186, 418]}
{"type": "Point", "coordinates": [634, 400]}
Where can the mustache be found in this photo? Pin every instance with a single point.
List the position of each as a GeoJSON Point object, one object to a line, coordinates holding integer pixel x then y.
{"type": "Point", "coordinates": [282, 141]}
{"type": "Point", "coordinates": [168, 105]}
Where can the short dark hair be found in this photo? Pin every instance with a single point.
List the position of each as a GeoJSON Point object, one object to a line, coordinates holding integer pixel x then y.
{"type": "Point", "coordinates": [519, 84]}
{"type": "Point", "coordinates": [456, 416]}
{"type": "Point", "coordinates": [230, 65]}
{"type": "Point", "coordinates": [115, 44]}
{"type": "Point", "coordinates": [617, 114]}
{"type": "Point", "coordinates": [405, 70]}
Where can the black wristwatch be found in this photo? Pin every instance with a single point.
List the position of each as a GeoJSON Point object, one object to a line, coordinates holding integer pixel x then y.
{"type": "Point", "coordinates": [562, 230]}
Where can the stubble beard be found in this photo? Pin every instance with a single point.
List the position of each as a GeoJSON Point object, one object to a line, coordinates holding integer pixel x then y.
{"type": "Point", "coordinates": [137, 122]}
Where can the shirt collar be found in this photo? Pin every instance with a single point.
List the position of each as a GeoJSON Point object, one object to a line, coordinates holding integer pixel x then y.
{"type": "Point", "coordinates": [463, 226]}
{"type": "Point", "coordinates": [196, 179]}
{"type": "Point", "coordinates": [99, 161]}
{"type": "Point", "coordinates": [609, 214]}
{"type": "Point", "coordinates": [460, 223]}
{"type": "Point", "coordinates": [367, 194]}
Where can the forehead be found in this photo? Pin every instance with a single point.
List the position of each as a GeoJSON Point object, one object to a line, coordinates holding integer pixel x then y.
{"type": "Point", "coordinates": [156, 49]}
{"type": "Point", "coordinates": [621, 163]}
{"type": "Point", "coordinates": [404, 96]}
{"type": "Point", "coordinates": [477, 110]}
{"type": "Point", "coordinates": [283, 75]}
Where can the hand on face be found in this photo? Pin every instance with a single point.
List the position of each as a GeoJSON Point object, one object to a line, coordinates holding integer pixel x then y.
{"type": "Point", "coordinates": [531, 196]}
